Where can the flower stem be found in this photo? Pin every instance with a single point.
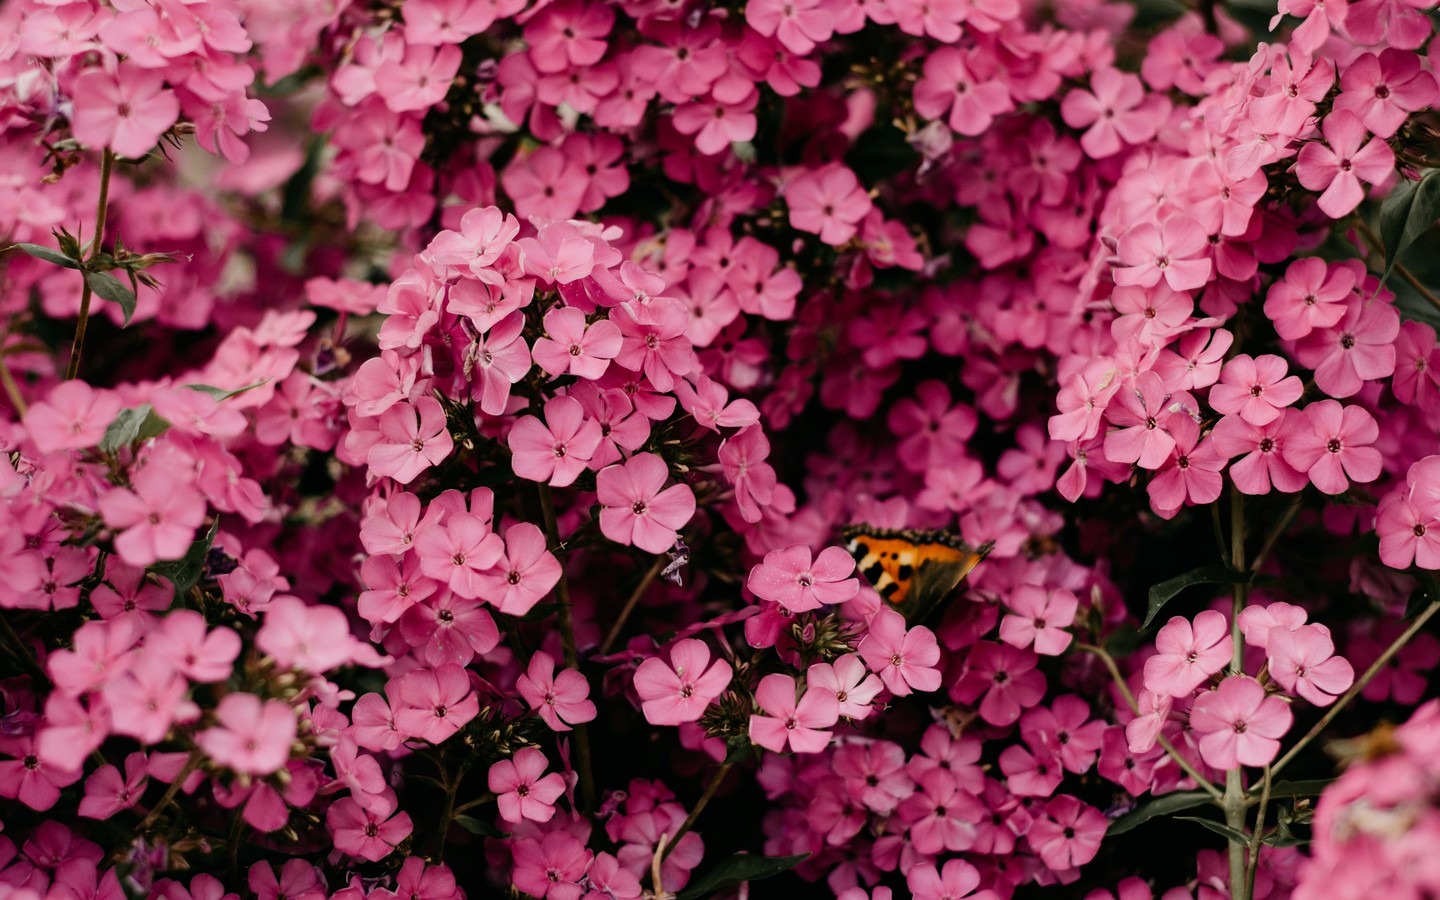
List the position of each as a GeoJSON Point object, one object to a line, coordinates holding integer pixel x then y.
{"type": "Point", "coordinates": [1234, 800]}
{"type": "Point", "coordinates": [107, 164]}
{"type": "Point", "coordinates": [699, 807]}
{"type": "Point", "coordinates": [12, 390]}
{"type": "Point", "coordinates": [572, 654]}
{"type": "Point", "coordinates": [630, 605]}
{"type": "Point", "coordinates": [191, 764]}
{"type": "Point", "coordinates": [1257, 834]}
{"type": "Point", "coordinates": [1185, 766]}
{"type": "Point", "coordinates": [1358, 686]}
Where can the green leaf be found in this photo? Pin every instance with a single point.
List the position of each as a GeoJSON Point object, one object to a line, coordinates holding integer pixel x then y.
{"type": "Point", "coordinates": [738, 749]}
{"type": "Point", "coordinates": [476, 826]}
{"type": "Point", "coordinates": [1220, 828]}
{"type": "Point", "coordinates": [1310, 788]}
{"type": "Point", "coordinates": [738, 869]}
{"type": "Point", "coordinates": [1163, 592]}
{"type": "Point", "coordinates": [222, 393]}
{"type": "Point", "coordinates": [47, 254]}
{"type": "Point", "coordinates": [137, 423]}
{"type": "Point", "coordinates": [1408, 212]}
{"type": "Point", "coordinates": [185, 572]}
{"type": "Point", "coordinates": [108, 287]}
{"type": "Point", "coordinates": [1166, 805]}
{"type": "Point", "coordinates": [1124, 640]}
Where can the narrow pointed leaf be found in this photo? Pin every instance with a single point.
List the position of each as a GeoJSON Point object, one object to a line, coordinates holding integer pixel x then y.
{"type": "Point", "coordinates": [1408, 212]}
{"type": "Point", "coordinates": [736, 870]}
{"type": "Point", "coordinates": [1166, 805]}
{"type": "Point", "coordinates": [108, 287]}
{"type": "Point", "coordinates": [1165, 591]}
{"type": "Point", "coordinates": [46, 253]}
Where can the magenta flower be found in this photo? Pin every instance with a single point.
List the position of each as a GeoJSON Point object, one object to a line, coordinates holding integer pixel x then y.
{"type": "Point", "coordinates": [551, 867]}
{"type": "Point", "coordinates": [557, 450]}
{"type": "Point", "coordinates": [790, 578]}
{"type": "Point", "coordinates": [561, 701]}
{"type": "Point", "coordinates": [499, 359]}
{"type": "Point", "coordinates": [126, 109]}
{"type": "Point", "coordinates": [1039, 618]}
{"type": "Point", "coordinates": [570, 348]}
{"type": "Point", "coordinates": [1384, 90]}
{"type": "Point", "coordinates": [1238, 724]}
{"type": "Point", "coordinates": [1143, 412]}
{"type": "Point", "coordinates": [1191, 474]}
{"type": "Point", "coordinates": [30, 777]}
{"type": "Point", "coordinates": [797, 24]}
{"type": "Point", "coordinates": [904, 659]}
{"type": "Point", "coordinates": [637, 507]}
{"type": "Point", "coordinates": [252, 737]}
{"type": "Point", "coordinates": [952, 90]}
{"type": "Point", "coordinates": [1334, 449]}
{"type": "Point", "coordinates": [1113, 111]}
{"type": "Point", "coordinates": [939, 814]}
{"type": "Point", "coordinates": [1303, 661]}
{"type": "Point", "coordinates": [1409, 530]}
{"type": "Point", "coordinates": [157, 519]}
{"type": "Point", "coordinates": [957, 881]}
{"type": "Point", "coordinates": [1067, 833]}
{"type": "Point", "coordinates": [679, 692]}
{"type": "Point", "coordinates": [412, 439]}
{"type": "Point", "coordinates": [787, 723]}
{"type": "Point", "coordinates": [1188, 654]}
{"type": "Point", "coordinates": [1338, 169]}
{"type": "Point", "coordinates": [107, 791]}
{"type": "Point", "coordinates": [368, 832]}
{"type": "Point", "coordinates": [829, 202]}
{"type": "Point", "coordinates": [523, 790]}
{"type": "Point", "coordinates": [1003, 678]}
{"type": "Point", "coordinates": [433, 704]}
{"type": "Point", "coordinates": [1262, 449]}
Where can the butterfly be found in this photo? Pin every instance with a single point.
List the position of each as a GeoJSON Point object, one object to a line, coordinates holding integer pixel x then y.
{"type": "Point", "coordinates": [914, 571]}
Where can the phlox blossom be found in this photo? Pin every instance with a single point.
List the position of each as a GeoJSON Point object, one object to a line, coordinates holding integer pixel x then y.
{"type": "Point", "coordinates": [679, 692]}
{"type": "Point", "coordinates": [252, 736]}
{"type": "Point", "coordinates": [791, 578]}
{"type": "Point", "coordinates": [785, 722]}
{"type": "Point", "coordinates": [522, 789]}
{"type": "Point", "coordinates": [561, 700]}
{"type": "Point", "coordinates": [636, 507]}
{"type": "Point", "coordinates": [1238, 724]}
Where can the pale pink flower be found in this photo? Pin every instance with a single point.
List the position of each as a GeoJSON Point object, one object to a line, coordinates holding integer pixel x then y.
{"type": "Point", "coordinates": [905, 659]}
{"type": "Point", "coordinates": [1239, 724]}
{"type": "Point", "coordinates": [790, 577]}
{"type": "Point", "coordinates": [157, 519]}
{"type": "Point", "coordinates": [636, 506]}
{"type": "Point", "coordinates": [126, 110]}
{"type": "Point", "coordinates": [679, 692]}
{"type": "Point", "coordinates": [569, 347]}
{"type": "Point", "coordinates": [853, 685]}
{"type": "Point", "coordinates": [252, 736]}
{"type": "Point", "coordinates": [787, 723]}
{"type": "Point", "coordinates": [412, 439]}
{"type": "Point", "coordinates": [1188, 654]}
{"type": "Point", "coordinates": [72, 417]}
{"type": "Point", "coordinates": [561, 700]}
{"type": "Point", "coordinates": [521, 788]}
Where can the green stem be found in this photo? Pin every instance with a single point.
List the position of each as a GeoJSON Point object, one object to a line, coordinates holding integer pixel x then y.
{"type": "Point", "coordinates": [481, 800]}
{"type": "Point", "coordinates": [699, 807]}
{"type": "Point", "coordinates": [12, 390]}
{"type": "Point", "coordinates": [1358, 686]}
{"type": "Point", "coordinates": [572, 654]}
{"type": "Point", "coordinates": [191, 764]}
{"type": "Point", "coordinates": [1234, 800]}
{"type": "Point", "coordinates": [107, 164]}
{"type": "Point", "coordinates": [1257, 834]}
{"type": "Point", "coordinates": [1285, 519]}
{"type": "Point", "coordinates": [630, 605]}
{"type": "Point", "coordinates": [448, 815]}
{"type": "Point", "coordinates": [1204, 783]}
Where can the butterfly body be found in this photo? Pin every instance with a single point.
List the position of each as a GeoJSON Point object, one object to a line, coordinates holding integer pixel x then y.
{"type": "Point", "coordinates": [914, 571]}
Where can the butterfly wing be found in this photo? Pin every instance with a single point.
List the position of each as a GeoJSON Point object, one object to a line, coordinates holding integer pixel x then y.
{"type": "Point", "coordinates": [914, 571]}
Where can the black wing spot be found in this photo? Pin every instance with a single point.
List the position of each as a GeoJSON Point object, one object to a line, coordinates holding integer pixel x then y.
{"type": "Point", "coordinates": [874, 572]}
{"type": "Point", "coordinates": [888, 590]}
{"type": "Point", "coordinates": [862, 550]}
{"type": "Point", "coordinates": [906, 573]}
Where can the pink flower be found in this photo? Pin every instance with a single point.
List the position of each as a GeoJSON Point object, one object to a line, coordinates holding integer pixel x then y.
{"type": "Point", "coordinates": [1238, 724]}
{"type": "Point", "coordinates": [521, 788]}
{"type": "Point", "coordinates": [1115, 112]}
{"type": "Point", "coordinates": [557, 450]}
{"type": "Point", "coordinates": [252, 737]}
{"type": "Point", "coordinates": [500, 359]}
{"type": "Point", "coordinates": [562, 700]}
{"type": "Point", "coordinates": [940, 815]}
{"type": "Point", "coordinates": [1337, 169]}
{"type": "Point", "coordinates": [679, 692]}
{"type": "Point", "coordinates": [568, 34]}
{"type": "Point", "coordinates": [853, 684]}
{"type": "Point", "coordinates": [570, 348]}
{"type": "Point", "coordinates": [1312, 295]}
{"type": "Point", "coordinates": [715, 125]}
{"type": "Point", "coordinates": [951, 89]}
{"type": "Point", "coordinates": [433, 704]}
{"type": "Point", "coordinates": [1335, 447]}
{"type": "Point", "coordinates": [957, 881]}
{"type": "Point", "coordinates": [1409, 529]}
{"type": "Point", "coordinates": [458, 552]}
{"type": "Point", "coordinates": [1143, 412]}
{"type": "Point", "coordinates": [1256, 389]}
{"type": "Point", "coordinates": [1067, 833]}
{"type": "Point", "coordinates": [1384, 90]}
{"type": "Point", "coordinates": [369, 832]}
{"type": "Point", "coordinates": [1188, 654]}
{"type": "Point", "coordinates": [74, 416]}
{"type": "Point", "coordinates": [523, 575]}
{"type": "Point", "coordinates": [1191, 474]}
{"type": "Point", "coordinates": [30, 777]}
{"type": "Point", "coordinates": [1263, 449]}
{"type": "Point", "coordinates": [313, 639]}
{"type": "Point", "coordinates": [1082, 401]}
{"type": "Point", "coordinates": [1303, 661]}
{"type": "Point", "coordinates": [1171, 250]}
{"type": "Point", "coordinates": [420, 80]}
{"type": "Point", "coordinates": [635, 508]}
{"type": "Point", "coordinates": [1358, 348]}
{"type": "Point", "coordinates": [127, 110]}
{"type": "Point", "coordinates": [1003, 678]}
{"type": "Point", "coordinates": [800, 726]}
{"type": "Point", "coordinates": [412, 439]}
{"type": "Point", "coordinates": [157, 519]}
{"type": "Point", "coordinates": [1039, 617]}
{"type": "Point", "coordinates": [484, 233]}
{"type": "Point", "coordinates": [790, 578]}
{"type": "Point", "coordinates": [828, 202]}
{"type": "Point", "coordinates": [797, 24]}
{"type": "Point", "coordinates": [107, 791]}
{"type": "Point", "coordinates": [904, 659]}
{"type": "Point", "coordinates": [551, 867]}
